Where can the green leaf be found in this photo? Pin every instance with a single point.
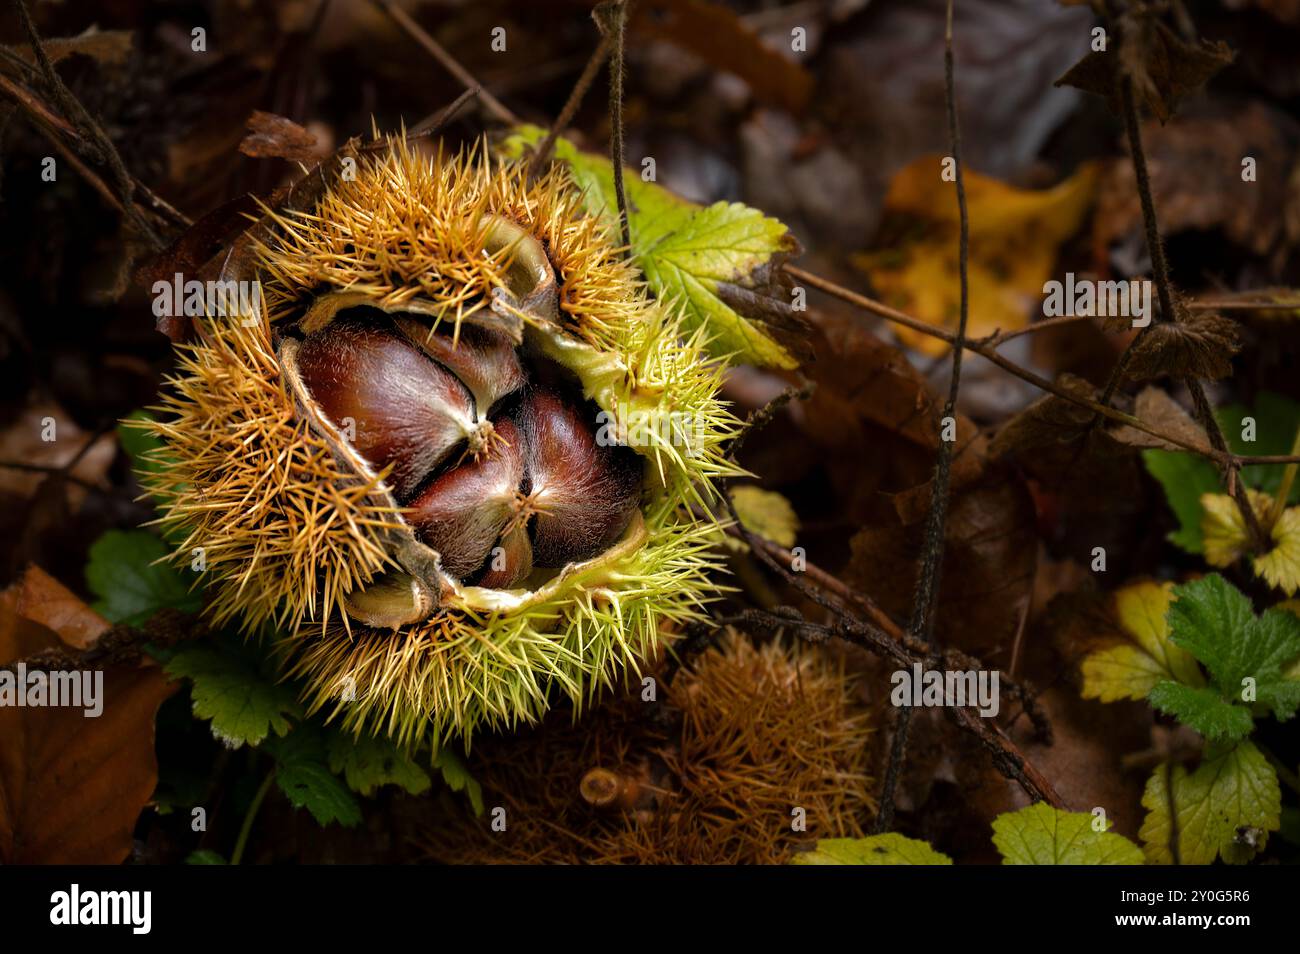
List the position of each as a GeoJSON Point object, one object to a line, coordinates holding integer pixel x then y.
{"type": "Point", "coordinates": [457, 778]}
{"type": "Point", "coordinates": [1043, 835]}
{"type": "Point", "coordinates": [139, 445]}
{"type": "Point", "coordinates": [205, 857]}
{"type": "Point", "coordinates": [311, 785]}
{"type": "Point", "coordinates": [1276, 421]}
{"type": "Point", "coordinates": [712, 260]}
{"type": "Point", "coordinates": [887, 849]}
{"type": "Point", "coordinates": [244, 705]}
{"type": "Point", "coordinates": [1184, 478]}
{"type": "Point", "coordinates": [1224, 809]}
{"type": "Point", "coordinates": [1204, 710]}
{"type": "Point", "coordinates": [1246, 655]}
{"type": "Point", "coordinates": [305, 779]}
{"type": "Point", "coordinates": [368, 763]}
{"type": "Point", "coordinates": [130, 584]}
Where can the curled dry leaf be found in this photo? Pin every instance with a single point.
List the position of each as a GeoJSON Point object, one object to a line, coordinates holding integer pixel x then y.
{"type": "Point", "coordinates": [275, 137]}
{"type": "Point", "coordinates": [1195, 345]}
{"type": "Point", "coordinates": [1156, 408]}
{"type": "Point", "coordinates": [1163, 66]}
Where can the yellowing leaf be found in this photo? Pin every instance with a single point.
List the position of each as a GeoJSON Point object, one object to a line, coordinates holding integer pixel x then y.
{"type": "Point", "coordinates": [718, 264]}
{"type": "Point", "coordinates": [766, 513]}
{"type": "Point", "coordinates": [1043, 835]}
{"type": "Point", "coordinates": [1280, 567]}
{"type": "Point", "coordinates": [1226, 808]}
{"type": "Point", "coordinates": [1014, 237]}
{"type": "Point", "coordinates": [1224, 533]}
{"type": "Point", "coordinates": [887, 849]}
{"type": "Point", "coordinates": [1130, 670]}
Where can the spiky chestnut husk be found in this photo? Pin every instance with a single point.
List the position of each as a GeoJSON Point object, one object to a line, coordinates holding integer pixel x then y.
{"type": "Point", "coordinates": [706, 775]}
{"type": "Point", "coordinates": [308, 530]}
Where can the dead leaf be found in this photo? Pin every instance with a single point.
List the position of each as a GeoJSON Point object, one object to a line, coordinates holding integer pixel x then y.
{"type": "Point", "coordinates": [1156, 408]}
{"type": "Point", "coordinates": [111, 47]}
{"type": "Point", "coordinates": [1014, 237]}
{"type": "Point", "coordinates": [41, 598]}
{"type": "Point", "coordinates": [1195, 165]}
{"type": "Point", "coordinates": [1196, 345]}
{"type": "Point", "coordinates": [72, 787]}
{"type": "Point", "coordinates": [1164, 67]}
{"type": "Point", "coordinates": [990, 551]}
{"type": "Point", "coordinates": [275, 137]}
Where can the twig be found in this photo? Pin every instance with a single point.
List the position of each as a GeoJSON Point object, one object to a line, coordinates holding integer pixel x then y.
{"type": "Point", "coordinates": [90, 129]}
{"type": "Point", "coordinates": [931, 571]}
{"type": "Point", "coordinates": [52, 124]}
{"type": "Point", "coordinates": [543, 153]}
{"type": "Point", "coordinates": [1224, 458]}
{"type": "Point", "coordinates": [610, 17]}
{"type": "Point", "coordinates": [449, 62]}
{"type": "Point", "coordinates": [434, 122]}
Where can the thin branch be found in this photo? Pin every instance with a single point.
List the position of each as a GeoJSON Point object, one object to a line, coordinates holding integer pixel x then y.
{"type": "Point", "coordinates": [91, 130]}
{"type": "Point", "coordinates": [610, 17]}
{"type": "Point", "coordinates": [1224, 459]}
{"type": "Point", "coordinates": [435, 49]}
{"type": "Point", "coordinates": [543, 154]}
{"type": "Point", "coordinates": [930, 574]}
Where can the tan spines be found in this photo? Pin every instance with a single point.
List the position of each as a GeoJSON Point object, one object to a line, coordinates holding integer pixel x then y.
{"type": "Point", "coordinates": [283, 528]}
{"type": "Point", "coordinates": [412, 224]}
{"type": "Point", "coordinates": [748, 733]}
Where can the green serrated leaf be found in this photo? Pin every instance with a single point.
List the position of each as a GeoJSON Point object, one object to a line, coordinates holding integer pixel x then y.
{"type": "Point", "coordinates": [1245, 655]}
{"type": "Point", "coordinates": [1043, 835]}
{"type": "Point", "coordinates": [311, 785]}
{"type": "Point", "coordinates": [369, 763]}
{"type": "Point", "coordinates": [695, 256]}
{"type": "Point", "coordinates": [888, 849]}
{"type": "Point", "coordinates": [130, 584]}
{"type": "Point", "coordinates": [457, 778]}
{"type": "Point", "coordinates": [1226, 808]}
{"type": "Point", "coordinates": [243, 705]}
{"type": "Point", "coordinates": [1204, 710]}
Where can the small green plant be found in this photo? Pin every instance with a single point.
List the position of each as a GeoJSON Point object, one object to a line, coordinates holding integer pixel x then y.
{"type": "Point", "coordinates": [1199, 653]}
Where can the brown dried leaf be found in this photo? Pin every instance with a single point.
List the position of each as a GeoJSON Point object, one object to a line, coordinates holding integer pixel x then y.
{"type": "Point", "coordinates": [990, 551]}
{"type": "Point", "coordinates": [1156, 408]}
{"type": "Point", "coordinates": [1195, 164]}
{"type": "Point", "coordinates": [71, 787]}
{"type": "Point", "coordinates": [1196, 345]}
{"type": "Point", "coordinates": [1164, 67]}
{"type": "Point", "coordinates": [110, 47]}
{"type": "Point", "coordinates": [275, 137]}
{"type": "Point", "coordinates": [40, 598]}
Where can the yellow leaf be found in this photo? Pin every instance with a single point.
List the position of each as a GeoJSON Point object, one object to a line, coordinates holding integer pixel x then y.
{"type": "Point", "coordinates": [1129, 670]}
{"type": "Point", "coordinates": [1223, 530]}
{"type": "Point", "coordinates": [1015, 235]}
{"type": "Point", "coordinates": [766, 513]}
{"type": "Point", "coordinates": [1224, 533]}
{"type": "Point", "coordinates": [1280, 567]}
